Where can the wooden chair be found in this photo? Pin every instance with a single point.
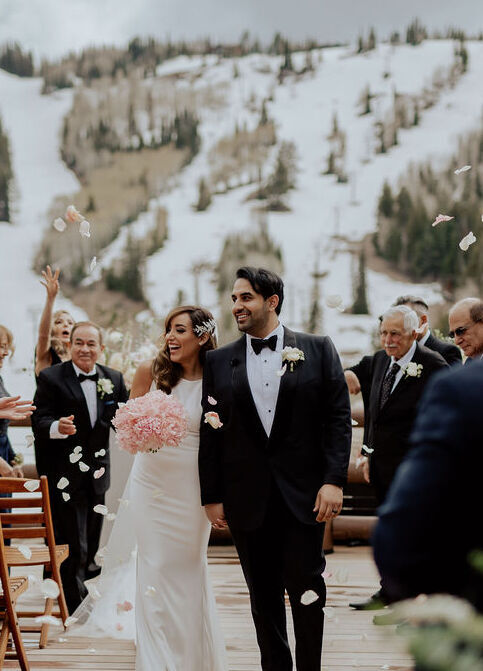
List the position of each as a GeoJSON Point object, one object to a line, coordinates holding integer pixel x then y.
{"type": "Point", "coordinates": [34, 524]}
{"type": "Point", "coordinates": [11, 589]}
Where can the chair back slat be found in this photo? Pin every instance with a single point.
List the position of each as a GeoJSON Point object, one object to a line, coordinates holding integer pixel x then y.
{"type": "Point", "coordinates": [19, 502]}
{"type": "Point", "coordinates": [25, 532]}
{"type": "Point", "coordinates": [24, 519]}
{"type": "Point", "coordinates": [16, 485]}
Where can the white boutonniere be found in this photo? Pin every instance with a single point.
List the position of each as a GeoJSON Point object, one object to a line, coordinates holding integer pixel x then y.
{"type": "Point", "coordinates": [291, 355]}
{"type": "Point", "coordinates": [104, 386]}
{"type": "Point", "coordinates": [213, 419]}
{"type": "Point", "coordinates": [413, 369]}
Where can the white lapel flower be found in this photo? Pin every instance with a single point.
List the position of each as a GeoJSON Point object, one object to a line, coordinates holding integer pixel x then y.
{"type": "Point", "coordinates": [104, 386]}
{"type": "Point", "coordinates": [213, 419]}
{"type": "Point", "coordinates": [413, 369]}
{"type": "Point", "coordinates": [292, 355]}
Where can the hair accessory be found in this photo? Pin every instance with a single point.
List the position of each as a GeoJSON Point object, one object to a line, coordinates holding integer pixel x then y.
{"type": "Point", "coordinates": [205, 327]}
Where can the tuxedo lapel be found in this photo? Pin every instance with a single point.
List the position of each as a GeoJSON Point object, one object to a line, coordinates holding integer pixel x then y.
{"type": "Point", "coordinates": [406, 381]}
{"type": "Point", "coordinates": [242, 392]}
{"type": "Point", "coordinates": [288, 383]}
{"type": "Point", "coordinates": [380, 370]}
{"type": "Point", "coordinates": [100, 401]}
{"type": "Point", "coordinates": [72, 381]}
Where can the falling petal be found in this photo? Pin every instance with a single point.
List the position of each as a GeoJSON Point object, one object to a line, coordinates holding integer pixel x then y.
{"type": "Point", "coordinates": [91, 651]}
{"type": "Point", "coordinates": [62, 640]}
{"type": "Point", "coordinates": [354, 422]}
{"type": "Point", "coordinates": [329, 612]}
{"type": "Point", "coordinates": [83, 467]}
{"type": "Point", "coordinates": [29, 439]}
{"type": "Point", "coordinates": [73, 215]}
{"type": "Point", "coordinates": [368, 450]}
{"type": "Point", "coordinates": [77, 449]}
{"type": "Point", "coordinates": [333, 301]}
{"type": "Point", "coordinates": [25, 551]}
{"type": "Point", "coordinates": [124, 607]}
{"type": "Point", "coordinates": [85, 229]}
{"type": "Point", "coordinates": [66, 496]}
{"type": "Point", "coordinates": [326, 575]}
{"type": "Point", "coordinates": [99, 473]}
{"type": "Point", "coordinates": [50, 588]}
{"type": "Point", "coordinates": [62, 484]}
{"type": "Point", "coordinates": [308, 597]}
{"type": "Point", "coordinates": [440, 218]}
{"type": "Point", "coordinates": [59, 224]}
{"type": "Point", "coordinates": [282, 371]}
{"type": "Point", "coordinates": [467, 241]}
{"type": "Point", "coordinates": [92, 264]}
{"type": "Point", "coordinates": [31, 485]}
{"type": "Point", "coordinates": [70, 620]}
{"type": "Point", "coordinates": [465, 168]}
{"type": "Point", "coordinates": [101, 509]}
{"type": "Point", "coordinates": [212, 401]}
{"type": "Point", "coordinates": [101, 453]}
{"type": "Point", "coordinates": [119, 626]}
{"type": "Point", "coordinates": [150, 591]}
{"type": "Point", "coordinates": [73, 458]}
{"type": "Point", "coordinates": [110, 517]}
{"type": "Point", "coordinates": [49, 619]}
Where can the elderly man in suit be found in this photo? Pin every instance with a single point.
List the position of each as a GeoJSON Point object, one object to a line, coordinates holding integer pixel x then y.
{"type": "Point", "coordinates": [396, 377]}
{"type": "Point", "coordinates": [276, 465]}
{"type": "Point", "coordinates": [466, 327]}
{"type": "Point", "coordinates": [412, 545]}
{"type": "Point", "coordinates": [76, 401]}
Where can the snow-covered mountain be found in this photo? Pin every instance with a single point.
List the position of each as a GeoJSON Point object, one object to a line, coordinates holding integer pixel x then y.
{"type": "Point", "coordinates": [324, 214]}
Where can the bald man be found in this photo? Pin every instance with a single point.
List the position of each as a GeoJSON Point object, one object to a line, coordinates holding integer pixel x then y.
{"type": "Point", "coordinates": [466, 326]}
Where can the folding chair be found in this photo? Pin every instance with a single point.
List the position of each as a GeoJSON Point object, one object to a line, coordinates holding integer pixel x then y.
{"type": "Point", "coordinates": [35, 524]}
{"type": "Point", "coordinates": [11, 589]}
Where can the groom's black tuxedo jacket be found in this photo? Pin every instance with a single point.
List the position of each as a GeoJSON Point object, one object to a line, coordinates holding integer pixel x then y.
{"type": "Point", "coordinates": [390, 426]}
{"type": "Point", "coordinates": [59, 394]}
{"type": "Point", "coordinates": [309, 444]}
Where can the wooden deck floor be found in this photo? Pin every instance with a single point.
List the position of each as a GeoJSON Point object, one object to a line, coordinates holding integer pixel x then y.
{"type": "Point", "coordinates": [351, 640]}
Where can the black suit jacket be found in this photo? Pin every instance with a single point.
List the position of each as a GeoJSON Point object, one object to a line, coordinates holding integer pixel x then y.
{"type": "Point", "coordinates": [309, 444]}
{"type": "Point", "coordinates": [450, 353]}
{"type": "Point", "coordinates": [59, 394]}
{"type": "Point", "coordinates": [390, 426]}
{"type": "Point", "coordinates": [433, 514]}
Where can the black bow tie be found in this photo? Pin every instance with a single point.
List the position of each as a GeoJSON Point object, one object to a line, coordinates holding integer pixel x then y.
{"type": "Point", "coordinates": [94, 377]}
{"type": "Point", "coordinates": [258, 344]}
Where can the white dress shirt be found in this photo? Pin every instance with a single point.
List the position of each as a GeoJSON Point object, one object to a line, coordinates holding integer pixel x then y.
{"type": "Point", "coordinates": [425, 337]}
{"type": "Point", "coordinates": [263, 379]}
{"type": "Point", "coordinates": [89, 389]}
{"type": "Point", "coordinates": [402, 363]}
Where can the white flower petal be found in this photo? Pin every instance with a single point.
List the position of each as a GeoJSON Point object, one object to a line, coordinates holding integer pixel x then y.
{"type": "Point", "coordinates": [212, 401]}
{"type": "Point", "coordinates": [440, 218]}
{"type": "Point", "coordinates": [73, 215]}
{"type": "Point", "coordinates": [91, 651]}
{"type": "Point", "coordinates": [29, 439]}
{"type": "Point", "coordinates": [99, 473]}
{"type": "Point", "coordinates": [49, 619]}
{"type": "Point", "coordinates": [467, 241]}
{"type": "Point", "coordinates": [77, 449]}
{"type": "Point", "coordinates": [62, 640]}
{"type": "Point", "coordinates": [150, 591]}
{"type": "Point", "coordinates": [333, 301]}
{"type": "Point", "coordinates": [59, 224]}
{"type": "Point", "coordinates": [101, 453]}
{"type": "Point", "coordinates": [465, 168]}
{"type": "Point", "coordinates": [282, 371]}
{"type": "Point", "coordinates": [83, 467]}
{"type": "Point", "coordinates": [368, 450]}
{"type": "Point", "coordinates": [74, 458]}
{"type": "Point", "coordinates": [32, 485]}
{"type": "Point", "coordinates": [92, 264]}
{"type": "Point", "coordinates": [49, 588]}
{"type": "Point", "coordinates": [25, 551]}
{"type": "Point", "coordinates": [62, 484]}
{"type": "Point", "coordinates": [101, 509]}
{"type": "Point", "coordinates": [329, 612]}
{"type": "Point", "coordinates": [66, 496]}
{"type": "Point", "coordinates": [354, 422]}
{"type": "Point", "coordinates": [308, 597]}
{"type": "Point", "coordinates": [85, 228]}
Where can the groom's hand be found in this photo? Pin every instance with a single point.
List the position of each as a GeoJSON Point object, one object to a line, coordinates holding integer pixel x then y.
{"type": "Point", "coordinates": [216, 514]}
{"type": "Point", "coordinates": [328, 503]}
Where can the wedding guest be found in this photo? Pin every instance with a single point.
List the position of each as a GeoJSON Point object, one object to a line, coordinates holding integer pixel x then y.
{"type": "Point", "coordinates": [397, 376]}
{"type": "Point", "coordinates": [53, 342]}
{"type": "Point", "coordinates": [450, 353]}
{"type": "Point", "coordinates": [466, 327]}
{"type": "Point", "coordinates": [431, 519]}
{"type": "Point", "coordinates": [10, 463]}
{"type": "Point", "coordinates": [76, 402]}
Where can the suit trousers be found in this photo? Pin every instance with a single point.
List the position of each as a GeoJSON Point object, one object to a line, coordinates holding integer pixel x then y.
{"type": "Point", "coordinates": [76, 524]}
{"type": "Point", "coordinates": [283, 554]}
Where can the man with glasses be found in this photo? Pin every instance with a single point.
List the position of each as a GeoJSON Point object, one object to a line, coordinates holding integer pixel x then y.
{"type": "Point", "coordinates": [450, 353]}
{"type": "Point", "coordinates": [466, 327]}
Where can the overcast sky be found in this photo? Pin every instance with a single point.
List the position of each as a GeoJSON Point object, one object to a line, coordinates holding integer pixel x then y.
{"type": "Point", "coordinates": [53, 27]}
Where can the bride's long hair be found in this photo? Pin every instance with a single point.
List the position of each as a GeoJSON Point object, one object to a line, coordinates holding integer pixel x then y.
{"type": "Point", "coordinates": [166, 374]}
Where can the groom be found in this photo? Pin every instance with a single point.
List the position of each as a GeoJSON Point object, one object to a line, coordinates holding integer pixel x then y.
{"type": "Point", "coordinates": [274, 451]}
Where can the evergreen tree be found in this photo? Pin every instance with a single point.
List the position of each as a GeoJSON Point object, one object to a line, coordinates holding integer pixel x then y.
{"type": "Point", "coordinates": [360, 306]}
{"type": "Point", "coordinates": [204, 196]}
{"type": "Point", "coordinates": [287, 65]}
{"type": "Point", "coordinates": [14, 60]}
{"type": "Point", "coordinates": [263, 115]}
{"type": "Point", "coordinates": [386, 201]}
{"type": "Point", "coordinates": [5, 175]}
{"type": "Point", "coordinates": [371, 42]}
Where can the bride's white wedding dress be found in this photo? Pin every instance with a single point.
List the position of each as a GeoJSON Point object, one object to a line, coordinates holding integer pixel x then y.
{"type": "Point", "coordinates": [176, 622]}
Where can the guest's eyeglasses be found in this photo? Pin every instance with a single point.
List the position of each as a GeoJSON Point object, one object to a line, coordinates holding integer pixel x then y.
{"type": "Point", "coordinates": [461, 330]}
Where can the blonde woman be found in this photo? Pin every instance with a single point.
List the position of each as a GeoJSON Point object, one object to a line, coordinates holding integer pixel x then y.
{"type": "Point", "coordinates": [8, 459]}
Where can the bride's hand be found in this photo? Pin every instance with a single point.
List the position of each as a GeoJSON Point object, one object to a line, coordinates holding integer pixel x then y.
{"type": "Point", "coordinates": [216, 514]}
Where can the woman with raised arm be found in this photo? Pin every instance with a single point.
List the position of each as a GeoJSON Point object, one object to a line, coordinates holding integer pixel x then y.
{"type": "Point", "coordinates": [53, 343]}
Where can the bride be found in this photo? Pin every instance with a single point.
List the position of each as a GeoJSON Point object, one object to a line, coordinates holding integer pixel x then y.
{"type": "Point", "coordinates": [176, 625]}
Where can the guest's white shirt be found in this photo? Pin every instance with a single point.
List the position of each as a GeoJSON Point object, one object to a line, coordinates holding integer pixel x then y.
{"type": "Point", "coordinates": [402, 363]}
{"type": "Point", "coordinates": [89, 389]}
{"type": "Point", "coordinates": [263, 379]}
{"type": "Point", "coordinates": [425, 337]}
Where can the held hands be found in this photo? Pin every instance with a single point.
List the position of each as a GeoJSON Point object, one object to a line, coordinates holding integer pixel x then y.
{"type": "Point", "coordinates": [12, 408]}
{"type": "Point", "coordinates": [216, 514]}
{"type": "Point", "coordinates": [328, 503]}
{"type": "Point", "coordinates": [353, 383]}
{"type": "Point", "coordinates": [67, 426]}
{"type": "Point", "coordinates": [51, 282]}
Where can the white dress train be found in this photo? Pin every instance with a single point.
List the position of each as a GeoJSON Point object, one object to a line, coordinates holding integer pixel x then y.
{"type": "Point", "coordinates": [176, 623]}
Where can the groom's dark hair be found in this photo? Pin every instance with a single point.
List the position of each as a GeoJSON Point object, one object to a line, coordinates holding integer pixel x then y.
{"type": "Point", "coordinates": [264, 282]}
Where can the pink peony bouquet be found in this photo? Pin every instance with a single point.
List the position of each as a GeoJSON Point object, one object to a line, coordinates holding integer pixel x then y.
{"type": "Point", "coordinates": [150, 422]}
